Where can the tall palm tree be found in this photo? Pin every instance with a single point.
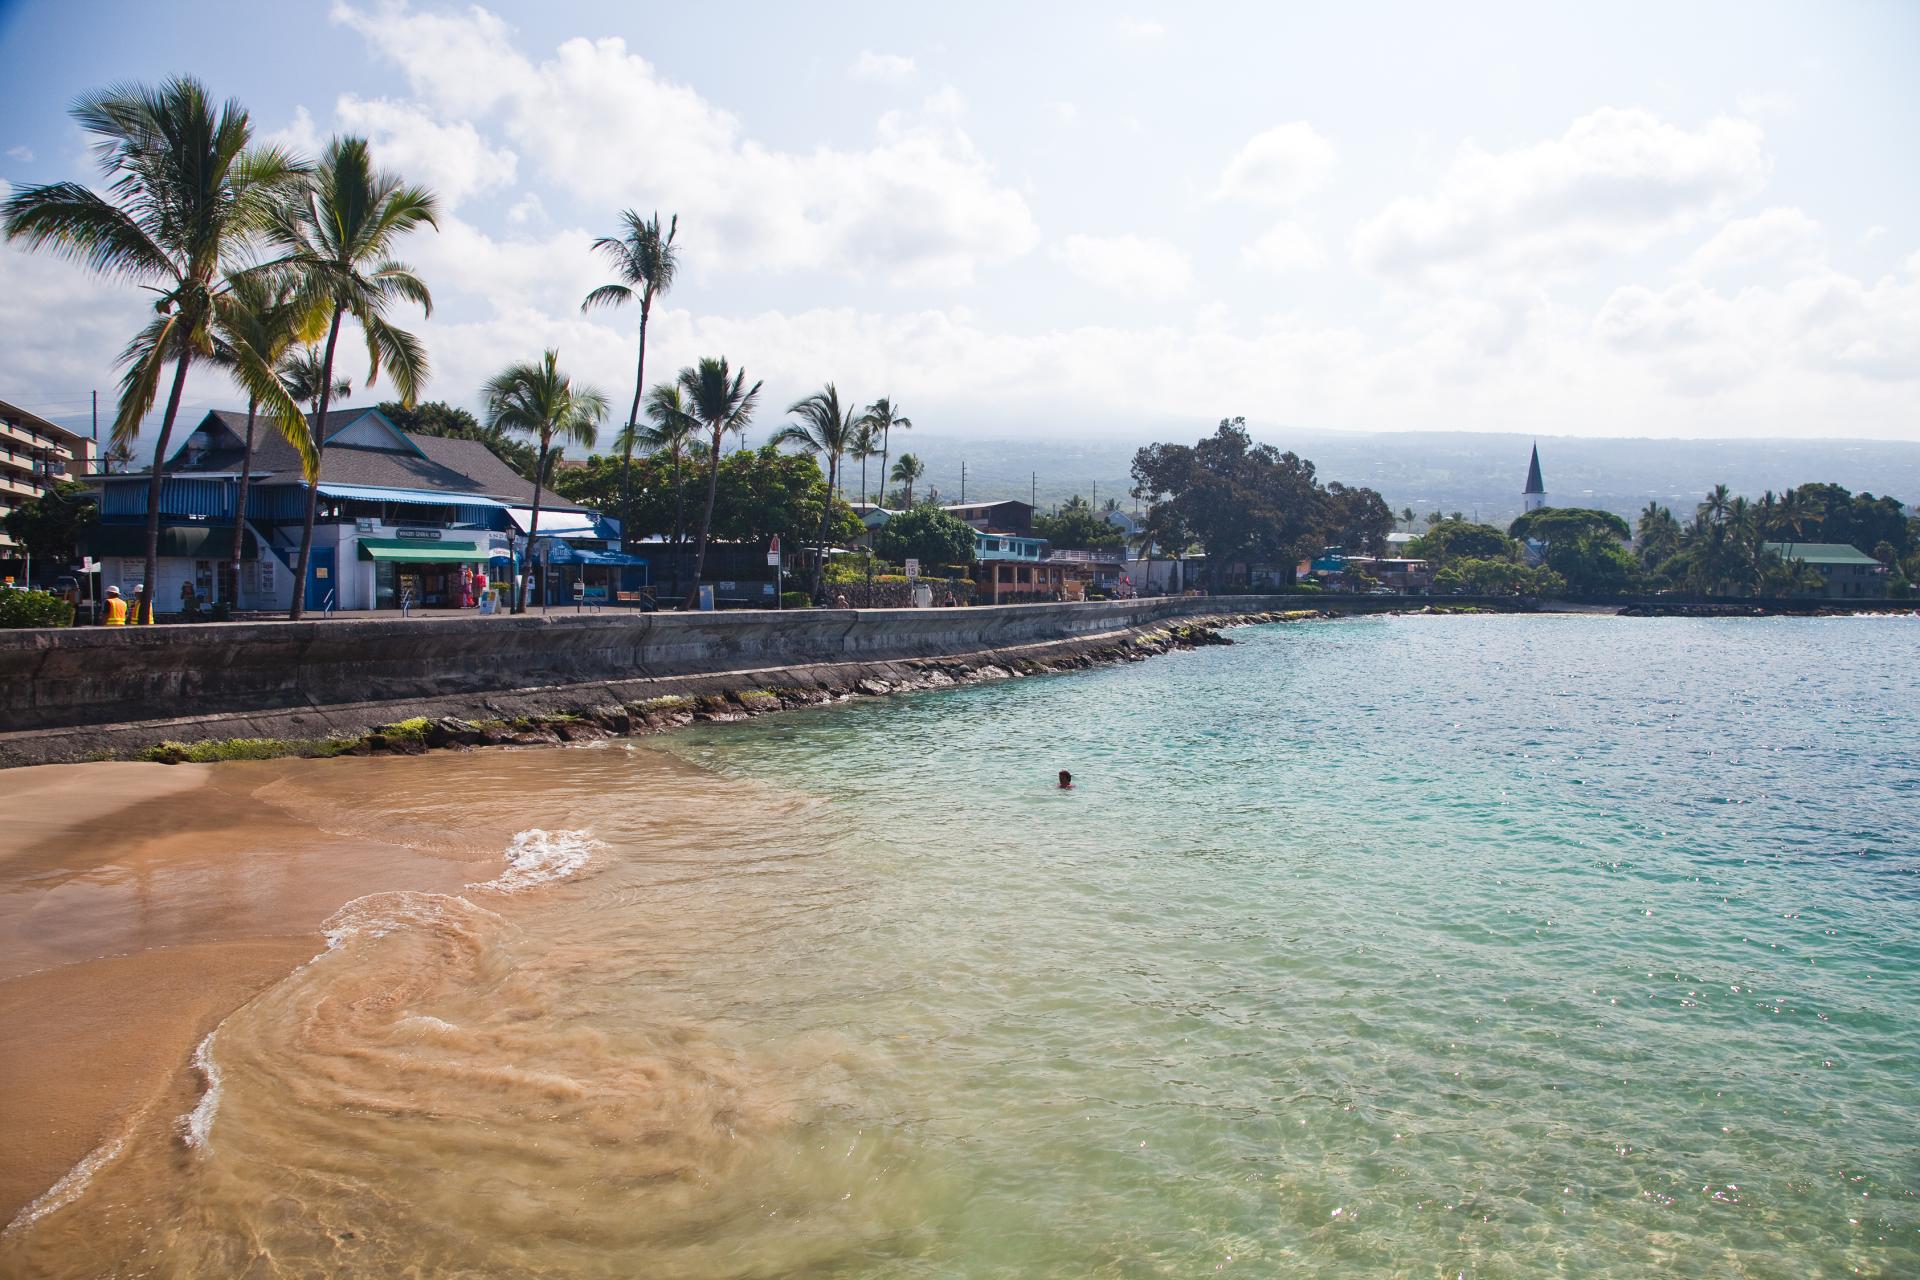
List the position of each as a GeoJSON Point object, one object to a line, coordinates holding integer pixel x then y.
{"type": "Point", "coordinates": [672, 429]}
{"type": "Point", "coordinates": [645, 262]}
{"type": "Point", "coordinates": [302, 371]}
{"type": "Point", "coordinates": [335, 242]}
{"type": "Point", "coordinates": [907, 471]}
{"type": "Point", "coordinates": [824, 430]}
{"type": "Point", "coordinates": [883, 415]}
{"type": "Point", "coordinates": [259, 320]}
{"type": "Point", "coordinates": [1406, 516]}
{"type": "Point", "coordinates": [720, 401]}
{"type": "Point", "coordinates": [864, 445]}
{"type": "Point", "coordinates": [544, 403]}
{"type": "Point", "coordinates": [188, 193]}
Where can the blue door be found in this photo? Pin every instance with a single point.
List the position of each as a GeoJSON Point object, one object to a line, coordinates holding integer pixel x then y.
{"type": "Point", "coordinates": [320, 579]}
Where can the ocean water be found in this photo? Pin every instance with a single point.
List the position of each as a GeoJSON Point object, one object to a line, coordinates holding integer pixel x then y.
{"type": "Point", "coordinates": [1417, 946]}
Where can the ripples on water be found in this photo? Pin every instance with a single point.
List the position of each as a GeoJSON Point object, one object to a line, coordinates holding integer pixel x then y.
{"type": "Point", "coordinates": [1423, 946]}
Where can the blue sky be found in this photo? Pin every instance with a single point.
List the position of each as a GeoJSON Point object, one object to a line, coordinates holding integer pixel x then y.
{"type": "Point", "coordinates": [1695, 220]}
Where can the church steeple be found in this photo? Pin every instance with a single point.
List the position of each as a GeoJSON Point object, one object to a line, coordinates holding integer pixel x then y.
{"type": "Point", "coordinates": [1534, 496]}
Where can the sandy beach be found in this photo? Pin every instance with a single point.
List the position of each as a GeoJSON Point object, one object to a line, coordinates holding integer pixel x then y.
{"type": "Point", "coordinates": [139, 905]}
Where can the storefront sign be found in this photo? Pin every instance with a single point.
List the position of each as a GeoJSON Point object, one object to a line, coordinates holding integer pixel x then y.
{"type": "Point", "coordinates": [418, 535]}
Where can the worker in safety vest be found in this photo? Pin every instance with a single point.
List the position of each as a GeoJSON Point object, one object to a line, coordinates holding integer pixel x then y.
{"type": "Point", "coordinates": [142, 611]}
{"type": "Point", "coordinates": [116, 609]}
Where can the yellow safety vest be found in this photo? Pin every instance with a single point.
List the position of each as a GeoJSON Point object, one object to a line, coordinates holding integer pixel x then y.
{"type": "Point", "coordinates": [116, 612]}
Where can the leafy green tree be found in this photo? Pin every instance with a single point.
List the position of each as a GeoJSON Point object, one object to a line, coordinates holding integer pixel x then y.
{"type": "Point", "coordinates": [1241, 501]}
{"type": "Point", "coordinates": [719, 399]}
{"type": "Point", "coordinates": [645, 262]}
{"type": "Point", "coordinates": [926, 534]}
{"type": "Point", "coordinates": [336, 243]}
{"type": "Point", "coordinates": [49, 526]}
{"type": "Point", "coordinates": [190, 194]}
{"type": "Point", "coordinates": [1077, 527]}
{"type": "Point", "coordinates": [1547, 525]}
{"type": "Point", "coordinates": [1447, 541]}
{"type": "Point", "coordinates": [450, 422]}
{"type": "Point", "coordinates": [1162, 531]}
{"type": "Point", "coordinates": [542, 402]}
{"type": "Point", "coordinates": [1497, 577]}
{"type": "Point", "coordinates": [824, 430]}
{"type": "Point", "coordinates": [1356, 518]}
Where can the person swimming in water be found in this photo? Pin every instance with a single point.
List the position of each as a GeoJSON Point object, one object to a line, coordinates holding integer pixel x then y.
{"type": "Point", "coordinates": [1066, 780]}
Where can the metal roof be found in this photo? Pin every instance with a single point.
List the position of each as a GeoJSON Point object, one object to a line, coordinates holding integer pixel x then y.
{"type": "Point", "coordinates": [1822, 553]}
{"type": "Point", "coordinates": [410, 497]}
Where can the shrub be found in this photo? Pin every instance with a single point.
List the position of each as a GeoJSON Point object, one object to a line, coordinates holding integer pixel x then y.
{"type": "Point", "coordinates": [34, 609]}
{"type": "Point", "coordinates": [926, 534]}
{"type": "Point", "coordinates": [795, 600]}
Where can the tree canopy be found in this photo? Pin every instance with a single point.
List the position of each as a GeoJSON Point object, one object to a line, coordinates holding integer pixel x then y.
{"type": "Point", "coordinates": [438, 418]}
{"type": "Point", "coordinates": [1449, 540]}
{"type": "Point", "coordinates": [49, 526]}
{"type": "Point", "coordinates": [926, 534]}
{"type": "Point", "coordinates": [758, 493]}
{"type": "Point", "coordinates": [1078, 527]}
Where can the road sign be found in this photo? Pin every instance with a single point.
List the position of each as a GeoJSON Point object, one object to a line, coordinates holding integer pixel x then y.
{"type": "Point", "coordinates": [773, 551]}
{"type": "Point", "coordinates": [913, 570]}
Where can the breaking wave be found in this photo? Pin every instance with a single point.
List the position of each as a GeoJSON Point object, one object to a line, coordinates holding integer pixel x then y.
{"type": "Point", "coordinates": [536, 857]}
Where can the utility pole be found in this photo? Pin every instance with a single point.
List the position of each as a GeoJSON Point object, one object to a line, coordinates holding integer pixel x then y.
{"type": "Point", "coordinates": [963, 480]}
{"type": "Point", "coordinates": [1033, 490]}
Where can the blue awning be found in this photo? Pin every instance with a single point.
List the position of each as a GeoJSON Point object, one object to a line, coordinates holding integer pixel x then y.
{"type": "Point", "coordinates": [408, 497]}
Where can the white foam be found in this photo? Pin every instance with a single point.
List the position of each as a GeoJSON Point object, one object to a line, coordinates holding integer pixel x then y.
{"type": "Point", "coordinates": [197, 1125]}
{"type": "Point", "coordinates": [68, 1189]}
{"type": "Point", "coordinates": [538, 857]}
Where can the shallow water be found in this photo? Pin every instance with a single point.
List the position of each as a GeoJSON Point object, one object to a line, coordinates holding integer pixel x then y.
{"type": "Point", "coordinates": [1432, 946]}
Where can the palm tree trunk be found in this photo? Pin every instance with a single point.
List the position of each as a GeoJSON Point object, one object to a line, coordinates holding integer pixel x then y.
{"type": "Point", "coordinates": [533, 526]}
{"type": "Point", "coordinates": [319, 429]}
{"type": "Point", "coordinates": [886, 434]}
{"type": "Point", "coordinates": [706, 520]}
{"type": "Point", "coordinates": [633, 425]}
{"type": "Point", "coordinates": [863, 480]}
{"type": "Point", "coordinates": [144, 605]}
{"type": "Point", "coordinates": [240, 504]}
{"type": "Point", "coordinates": [826, 517]}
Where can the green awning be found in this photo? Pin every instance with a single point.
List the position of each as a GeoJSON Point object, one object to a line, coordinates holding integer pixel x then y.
{"type": "Point", "coordinates": [191, 541]}
{"type": "Point", "coordinates": [422, 551]}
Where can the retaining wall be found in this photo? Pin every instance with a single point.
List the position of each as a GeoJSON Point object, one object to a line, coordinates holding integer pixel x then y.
{"type": "Point", "coordinates": [53, 679]}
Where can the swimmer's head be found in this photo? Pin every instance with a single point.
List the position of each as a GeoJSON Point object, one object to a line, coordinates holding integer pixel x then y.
{"type": "Point", "coordinates": [1066, 780]}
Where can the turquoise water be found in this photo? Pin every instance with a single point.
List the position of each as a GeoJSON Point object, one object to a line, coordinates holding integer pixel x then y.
{"type": "Point", "coordinates": [1427, 946]}
{"type": "Point", "coordinates": [1432, 946]}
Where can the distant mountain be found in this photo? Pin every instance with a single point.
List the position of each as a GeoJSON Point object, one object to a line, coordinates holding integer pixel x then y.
{"type": "Point", "coordinates": [1479, 474]}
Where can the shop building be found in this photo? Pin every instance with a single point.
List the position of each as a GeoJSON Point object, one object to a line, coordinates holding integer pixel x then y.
{"type": "Point", "coordinates": [403, 521]}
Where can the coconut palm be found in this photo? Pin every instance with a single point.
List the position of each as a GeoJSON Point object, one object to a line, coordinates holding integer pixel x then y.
{"type": "Point", "coordinates": [907, 471]}
{"type": "Point", "coordinates": [335, 242]}
{"type": "Point", "coordinates": [720, 401]}
{"type": "Point", "coordinates": [864, 445]}
{"type": "Point", "coordinates": [672, 430]}
{"type": "Point", "coordinates": [542, 402]}
{"type": "Point", "coordinates": [301, 372]}
{"type": "Point", "coordinates": [883, 415]}
{"type": "Point", "coordinates": [188, 193]}
{"type": "Point", "coordinates": [1658, 535]}
{"type": "Point", "coordinates": [824, 430]}
{"type": "Point", "coordinates": [645, 262]}
{"type": "Point", "coordinates": [259, 320]}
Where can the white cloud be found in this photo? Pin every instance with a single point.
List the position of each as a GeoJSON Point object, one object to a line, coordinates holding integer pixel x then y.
{"type": "Point", "coordinates": [1283, 165]}
{"type": "Point", "coordinates": [450, 158]}
{"type": "Point", "coordinates": [1700, 339]}
{"type": "Point", "coordinates": [1615, 182]}
{"type": "Point", "coordinates": [1143, 29]}
{"type": "Point", "coordinates": [1780, 236]}
{"type": "Point", "coordinates": [1134, 265]}
{"type": "Point", "coordinates": [919, 204]}
{"type": "Point", "coordinates": [23, 154]}
{"type": "Point", "coordinates": [527, 209]}
{"type": "Point", "coordinates": [1286, 246]}
{"type": "Point", "coordinates": [887, 68]}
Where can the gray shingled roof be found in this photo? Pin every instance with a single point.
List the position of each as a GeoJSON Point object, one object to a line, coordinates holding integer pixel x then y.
{"type": "Point", "coordinates": [456, 466]}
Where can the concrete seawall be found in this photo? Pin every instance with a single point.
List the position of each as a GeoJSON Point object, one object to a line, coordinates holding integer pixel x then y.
{"type": "Point", "coordinates": [64, 693]}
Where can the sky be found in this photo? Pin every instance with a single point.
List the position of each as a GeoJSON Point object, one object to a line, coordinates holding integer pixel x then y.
{"type": "Point", "coordinates": [1628, 219]}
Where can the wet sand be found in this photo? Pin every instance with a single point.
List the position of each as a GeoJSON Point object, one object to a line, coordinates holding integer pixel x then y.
{"type": "Point", "coordinates": [141, 904]}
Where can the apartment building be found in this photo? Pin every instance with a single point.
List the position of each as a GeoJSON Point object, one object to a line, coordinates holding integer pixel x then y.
{"type": "Point", "coordinates": [34, 456]}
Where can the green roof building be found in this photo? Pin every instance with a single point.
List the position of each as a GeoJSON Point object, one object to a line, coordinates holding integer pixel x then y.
{"type": "Point", "coordinates": [1850, 573]}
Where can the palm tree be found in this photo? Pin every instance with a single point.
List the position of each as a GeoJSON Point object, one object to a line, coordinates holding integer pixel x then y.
{"type": "Point", "coordinates": [720, 401]}
{"type": "Point", "coordinates": [1406, 516]}
{"type": "Point", "coordinates": [645, 262]}
{"type": "Point", "coordinates": [906, 472]}
{"type": "Point", "coordinates": [864, 445]}
{"type": "Point", "coordinates": [824, 430]}
{"type": "Point", "coordinates": [1658, 534]}
{"type": "Point", "coordinates": [542, 402]}
{"type": "Point", "coordinates": [883, 416]}
{"type": "Point", "coordinates": [1161, 529]}
{"type": "Point", "coordinates": [336, 240]}
{"type": "Point", "coordinates": [259, 320]}
{"type": "Point", "coordinates": [672, 429]}
{"type": "Point", "coordinates": [188, 194]}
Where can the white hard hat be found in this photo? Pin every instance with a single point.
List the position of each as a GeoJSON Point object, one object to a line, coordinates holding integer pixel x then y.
{"type": "Point", "coordinates": [113, 591]}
